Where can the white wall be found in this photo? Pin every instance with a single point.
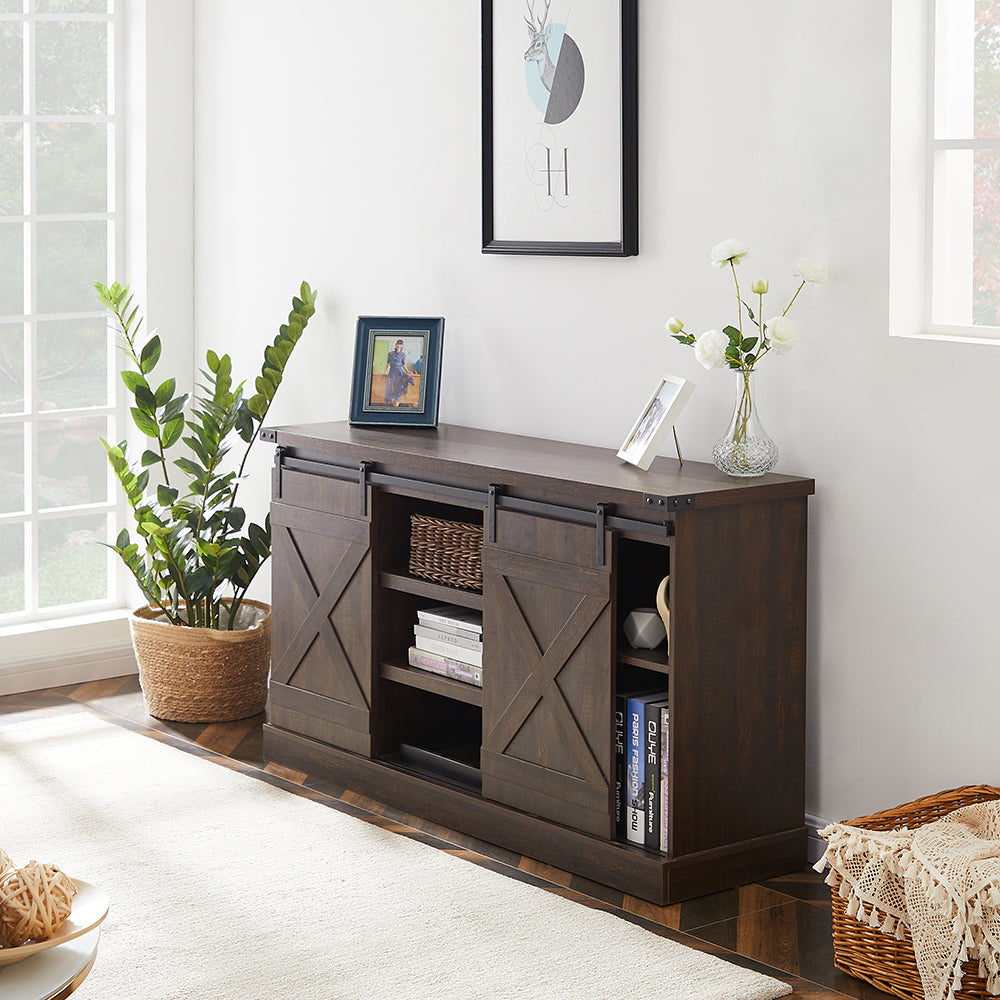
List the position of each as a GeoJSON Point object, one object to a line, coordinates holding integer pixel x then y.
{"type": "Point", "coordinates": [339, 142]}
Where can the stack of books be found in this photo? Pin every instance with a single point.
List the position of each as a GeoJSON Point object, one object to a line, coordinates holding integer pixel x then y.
{"type": "Point", "coordinates": [642, 729]}
{"type": "Point", "coordinates": [448, 640]}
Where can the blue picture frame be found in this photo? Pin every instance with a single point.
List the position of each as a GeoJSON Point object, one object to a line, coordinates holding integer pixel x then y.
{"type": "Point", "coordinates": [397, 371]}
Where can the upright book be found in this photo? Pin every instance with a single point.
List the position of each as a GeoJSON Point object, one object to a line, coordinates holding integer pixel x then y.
{"type": "Point", "coordinates": [635, 729]}
{"type": "Point", "coordinates": [621, 706]}
{"type": "Point", "coordinates": [664, 779]}
{"type": "Point", "coordinates": [653, 786]}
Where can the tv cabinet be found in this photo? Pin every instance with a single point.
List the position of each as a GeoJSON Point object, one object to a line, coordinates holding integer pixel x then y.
{"type": "Point", "coordinates": [573, 539]}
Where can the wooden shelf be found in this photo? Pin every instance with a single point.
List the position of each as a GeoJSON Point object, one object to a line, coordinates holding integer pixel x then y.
{"type": "Point", "coordinates": [409, 584]}
{"type": "Point", "coordinates": [435, 683]}
{"type": "Point", "coordinates": [649, 659]}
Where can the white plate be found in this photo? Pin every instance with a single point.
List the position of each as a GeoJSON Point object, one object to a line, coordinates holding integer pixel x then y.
{"type": "Point", "coordinates": [90, 907]}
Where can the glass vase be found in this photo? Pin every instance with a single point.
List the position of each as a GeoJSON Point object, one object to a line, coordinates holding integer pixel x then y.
{"type": "Point", "coordinates": [745, 449]}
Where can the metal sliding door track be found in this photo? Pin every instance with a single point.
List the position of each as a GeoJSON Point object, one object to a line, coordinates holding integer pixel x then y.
{"type": "Point", "coordinates": [489, 500]}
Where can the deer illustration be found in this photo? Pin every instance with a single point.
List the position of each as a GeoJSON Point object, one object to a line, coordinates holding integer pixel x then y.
{"type": "Point", "coordinates": [538, 50]}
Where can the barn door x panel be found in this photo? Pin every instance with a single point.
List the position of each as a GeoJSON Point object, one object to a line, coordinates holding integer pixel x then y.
{"type": "Point", "coordinates": [321, 631]}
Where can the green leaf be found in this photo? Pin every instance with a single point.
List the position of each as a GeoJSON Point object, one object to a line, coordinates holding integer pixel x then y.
{"type": "Point", "coordinates": [191, 468]}
{"type": "Point", "coordinates": [133, 379]}
{"type": "Point", "coordinates": [172, 431]}
{"type": "Point", "coordinates": [145, 399]}
{"type": "Point", "coordinates": [733, 334]}
{"type": "Point", "coordinates": [213, 361]}
{"type": "Point", "coordinates": [260, 539]}
{"type": "Point", "coordinates": [748, 344]}
{"type": "Point", "coordinates": [150, 355]}
{"type": "Point", "coordinates": [174, 407]}
{"type": "Point", "coordinates": [166, 495]}
{"type": "Point", "coordinates": [265, 387]}
{"type": "Point", "coordinates": [144, 422]}
{"type": "Point", "coordinates": [165, 392]}
{"type": "Point", "coordinates": [150, 458]}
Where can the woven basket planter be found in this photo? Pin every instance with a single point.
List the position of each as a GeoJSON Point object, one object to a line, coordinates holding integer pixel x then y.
{"type": "Point", "coordinates": [879, 959]}
{"type": "Point", "coordinates": [201, 674]}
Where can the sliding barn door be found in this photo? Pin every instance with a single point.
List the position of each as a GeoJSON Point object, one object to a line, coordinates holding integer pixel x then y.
{"type": "Point", "coordinates": [547, 673]}
{"type": "Point", "coordinates": [321, 626]}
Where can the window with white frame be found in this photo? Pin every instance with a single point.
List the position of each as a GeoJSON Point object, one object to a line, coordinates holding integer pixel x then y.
{"type": "Point", "coordinates": [946, 168]}
{"type": "Point", "coordinates": [60, 225]}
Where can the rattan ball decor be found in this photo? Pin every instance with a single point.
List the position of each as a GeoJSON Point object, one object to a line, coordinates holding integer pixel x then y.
{"type": "Point", "coordinates": [35, 901]}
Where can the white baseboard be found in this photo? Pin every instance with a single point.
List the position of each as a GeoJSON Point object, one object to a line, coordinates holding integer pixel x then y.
{"type": "Point", "coordinates": [77, 666]}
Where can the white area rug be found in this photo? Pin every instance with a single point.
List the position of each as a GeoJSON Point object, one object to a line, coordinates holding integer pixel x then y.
{"type": "Point", "coordinates": [223, 886]}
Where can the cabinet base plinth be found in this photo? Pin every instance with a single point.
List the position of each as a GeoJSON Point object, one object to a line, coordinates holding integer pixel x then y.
{"type": "Point", "coordinates": [646, 875]}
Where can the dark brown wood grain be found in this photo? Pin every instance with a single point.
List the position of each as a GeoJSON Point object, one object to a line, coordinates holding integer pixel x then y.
{"type": "Point", "coordinates": [321, 636]}
{"type": "Point", "coordinates": [578, 472]}
{"type": "Point", "coordinates": [554, 598]}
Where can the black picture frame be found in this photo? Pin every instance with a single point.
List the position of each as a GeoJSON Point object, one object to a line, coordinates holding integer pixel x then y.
{"type": "Point", "coordinates": [509, 223]}
{"type": "Point", "coordinates": [397, 392]}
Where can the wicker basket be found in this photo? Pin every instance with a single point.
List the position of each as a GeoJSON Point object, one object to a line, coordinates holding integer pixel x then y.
{"type": "Point", "coordinates": [448, 552]}
{"type": "Point", "coordinates": [879, 959]}
{"type": "Point", "coordinates": [201, 674]}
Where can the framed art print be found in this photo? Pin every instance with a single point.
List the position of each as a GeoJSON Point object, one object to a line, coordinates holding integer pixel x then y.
{"type": "Point", "coordinates": [656, 420]}
{"type": "Point", "coordinates": [397, 371]}
{"type": "Point", "coordinates": [560, 127]}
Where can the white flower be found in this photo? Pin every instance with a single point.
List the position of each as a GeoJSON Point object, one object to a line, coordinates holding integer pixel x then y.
{"type": "Point", "coordinates": [726, 251]}
{"type": "Point", "coordinates": [674, 325]}
{"type": "Point", "coordinates": [710, 348]}
{"type": "Point", "coordinates": [782, 333]}
{"type": "Point", "coordinates": [759, 287]}
{"type": "Point", "coordinates": [810, 270]}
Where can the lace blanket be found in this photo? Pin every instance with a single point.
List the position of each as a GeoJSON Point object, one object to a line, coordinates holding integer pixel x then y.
{"type": "Point", "coordinates": [940, 880]}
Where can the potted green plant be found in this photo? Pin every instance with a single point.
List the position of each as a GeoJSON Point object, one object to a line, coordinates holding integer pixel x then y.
{"type": "Point", "coordinates": [202, 646]}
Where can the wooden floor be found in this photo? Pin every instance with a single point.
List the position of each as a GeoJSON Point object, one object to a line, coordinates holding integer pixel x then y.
{"type": "Point", "coordinates": [780, 927]}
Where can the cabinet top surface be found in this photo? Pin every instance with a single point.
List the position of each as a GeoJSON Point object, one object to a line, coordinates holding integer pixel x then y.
{"type": "Point", "coordinates": [521, 461]}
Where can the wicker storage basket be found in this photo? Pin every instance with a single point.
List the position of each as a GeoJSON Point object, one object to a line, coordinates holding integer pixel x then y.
{"type": "Point", "coordinates": [448, 552]}
{"type": "Point", "coordinates": [202, 674]}
{"type": "Point", "coordinates": [879, 959]}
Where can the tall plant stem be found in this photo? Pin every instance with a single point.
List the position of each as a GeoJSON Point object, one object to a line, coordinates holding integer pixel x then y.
{"type": "Point", "coordinates": [739, 298]}
{"type": "Point", "coordinates": [784, 312]}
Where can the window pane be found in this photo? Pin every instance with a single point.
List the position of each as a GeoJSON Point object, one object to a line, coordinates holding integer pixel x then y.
{"type": "Point", "coordinates": [72, 167]}
{"type": "Point", "coordinates": [11, 468]}
{"type": "Point", "coordinates": [11, 368]}
{"type": "Point", "coordinates": [71, 67]}
{"type": "Point", "coordinates": [72, 463]}
{"type": "Point", "coordinates": [71, 257]}
{"type": "Point", "coordinates": [72, 565]}
{"type": "Point", "coordinates": [986, 238]}
{"type": "Point", "coordinates": [12, 269]}
{"type": "Point", "coordinates": [11, 568]}
{"type": "Point", "coordinates": [69, 6]}
{"type": "Point", "coordinates": [72, 363]}
{"type": "Point", "coordinates": [11, 68]}
{"type": "Point", "coordinates": [11, 169]}
{"type": "Point", "coordinates": [987, 60]}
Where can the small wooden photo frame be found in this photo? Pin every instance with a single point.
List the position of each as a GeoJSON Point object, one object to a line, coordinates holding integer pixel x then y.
{"type": "Point", "coordinates": [656, 420]}
{"type": "Point", "coordinates": [397, 371]}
